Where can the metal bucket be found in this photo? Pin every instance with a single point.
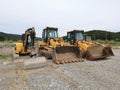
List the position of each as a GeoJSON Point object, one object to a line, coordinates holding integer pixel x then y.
{"type": "Point", "coordinates": [107, 51]}
{"type": "Point", "coordinates": [95, 52]}
{"type": "Point", "coordinates": [98, 52]}
{"type": "Point", "coordinates": [66, 54]}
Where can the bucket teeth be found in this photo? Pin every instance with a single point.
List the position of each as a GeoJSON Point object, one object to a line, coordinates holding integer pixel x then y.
{"type": "Point", "coordinates": [68, 61]}
{"type": "Point", "coordinates": [66, 54]}
{"type": "Point", "coordinates": [62, 62]}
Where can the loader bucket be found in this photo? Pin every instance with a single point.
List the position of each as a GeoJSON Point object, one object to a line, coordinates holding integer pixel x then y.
{"type": "Point", "coordinates": [107, 51]}
{"type": "Point", "coordinates": [98, 52]}
{"type": "Point", "coordinates": [66, 54]}
{"type": "Point", "coordinates": [95, 52]}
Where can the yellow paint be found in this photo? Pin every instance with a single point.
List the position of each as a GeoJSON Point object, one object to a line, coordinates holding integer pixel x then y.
{"type": "Point", "coordinates": [20, 49]}
{"type": "Point", "coordinates": [84, 45]}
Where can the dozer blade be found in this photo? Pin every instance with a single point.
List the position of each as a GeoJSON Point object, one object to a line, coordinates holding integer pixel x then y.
{"type": "Point", "coordinates": [98, 52]}
{"type": "Point", "coordinates": [66, 54]}
{"type": "Point", "coordinates": [32, 63]}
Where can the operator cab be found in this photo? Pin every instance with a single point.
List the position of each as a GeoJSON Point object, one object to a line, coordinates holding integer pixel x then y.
{"type": "Point", "coordinates": [49, 32]}
{"type": "Point", "coordinates": [75, 35]}
{"type": "Point", "coordinates": [89, 37]}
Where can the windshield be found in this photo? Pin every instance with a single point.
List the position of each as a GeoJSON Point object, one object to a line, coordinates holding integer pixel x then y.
{"type": "Point", "coordinates": [52, 34]}
{"type": "Point", "coordinates": [79, 36]}
{"type": "Point", "coordinates": [88, 38]}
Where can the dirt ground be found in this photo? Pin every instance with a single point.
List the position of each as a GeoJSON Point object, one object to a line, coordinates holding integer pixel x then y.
{"type": "Point", "coordinates": [87, 75]}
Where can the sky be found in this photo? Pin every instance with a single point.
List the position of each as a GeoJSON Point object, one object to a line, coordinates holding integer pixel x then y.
{"type": "Point", "coordinates": [18, 15]}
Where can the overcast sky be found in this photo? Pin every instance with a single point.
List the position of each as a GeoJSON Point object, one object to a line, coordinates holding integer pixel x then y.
{"type": "Point", "coordinates": [18, 15]}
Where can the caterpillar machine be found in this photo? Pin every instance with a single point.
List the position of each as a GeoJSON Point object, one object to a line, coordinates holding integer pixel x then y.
{"type": "Point", "coordinates": [54, 47]}
{"type": "Point", "coordinates": [89, 37]}
{"type": "Point", "coordinates": [27, 47]}
{"type": "Point", "coordinates": [89, 49]}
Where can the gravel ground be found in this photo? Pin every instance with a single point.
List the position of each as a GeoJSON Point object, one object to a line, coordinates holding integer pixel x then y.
{"type": "Point", "coordinates": [88, 75]}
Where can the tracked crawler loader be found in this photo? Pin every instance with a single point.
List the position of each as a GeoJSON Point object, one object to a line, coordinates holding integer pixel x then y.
{"type": "Point", "coordinates": [52, 46]}
{"type": "Point", "coordinates": [89, 49]}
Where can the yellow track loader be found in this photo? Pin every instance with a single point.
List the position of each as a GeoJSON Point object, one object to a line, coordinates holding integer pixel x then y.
{"type": "Point", "coordinates": [54, 47]}
{"type": "Point", "coordinates": [89, 49]}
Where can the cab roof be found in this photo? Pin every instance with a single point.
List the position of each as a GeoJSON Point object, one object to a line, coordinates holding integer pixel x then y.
{"type": "Point", "coordinates": [76, 31]}
{"type": "Point", "coordinates": [51, 28]}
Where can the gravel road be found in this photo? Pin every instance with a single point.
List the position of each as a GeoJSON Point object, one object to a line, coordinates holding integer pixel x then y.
{"type": "Point", "coordinates": [87, 75]}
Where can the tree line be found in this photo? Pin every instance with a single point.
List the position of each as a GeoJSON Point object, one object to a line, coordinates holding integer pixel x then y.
{"type": "Point", "coordinates": [102, 35]}
{"type": "Point", "coordinates": [13, 37]}
{"type": "Point", "coordinates": [99, 34]}
{"type": "Point", "coordinates": [105, 35]}
{"type": "Point", "coordinates": [6, 36]}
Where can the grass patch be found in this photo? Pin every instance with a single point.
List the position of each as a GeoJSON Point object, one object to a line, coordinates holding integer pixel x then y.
{"type": "Point", "coordinates": [115, 43]}
{"type": "Point", "coordinates": [7, 44]}
{"type": "Point", "coordinates": [4, 56]}
{"type": "Point", "coordinates": [112, 42]}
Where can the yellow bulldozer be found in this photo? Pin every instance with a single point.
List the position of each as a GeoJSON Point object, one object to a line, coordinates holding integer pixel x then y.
{"type": "Point", "coordinates": [89, 49]}
{"type": "Point", "coordinates": [52, 46]}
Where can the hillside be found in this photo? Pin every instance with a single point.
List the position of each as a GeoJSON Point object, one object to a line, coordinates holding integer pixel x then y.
{"type": "Point", "coordinates": [13, 37]}
{"type": "Point", "coordinates": [7, 36]}
{"type": "Point", "coordinates": [100, 34]}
